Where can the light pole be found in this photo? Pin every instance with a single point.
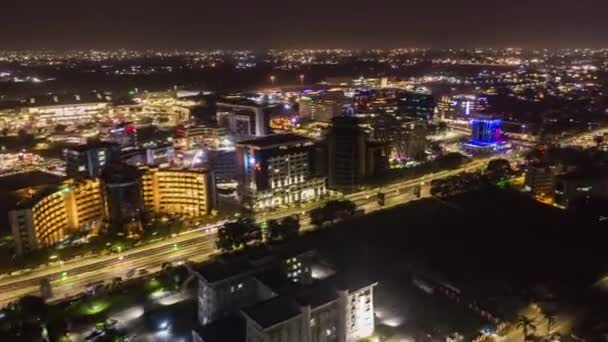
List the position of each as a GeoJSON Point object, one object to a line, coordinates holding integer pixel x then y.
{"type": "Point", "coordinates": [272, 79]}
{"type": "Point", "coordinates": [301, 77]}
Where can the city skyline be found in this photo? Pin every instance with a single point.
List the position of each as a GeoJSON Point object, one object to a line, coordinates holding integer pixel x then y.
{"type": "Point", "coordinates": [315, 24]}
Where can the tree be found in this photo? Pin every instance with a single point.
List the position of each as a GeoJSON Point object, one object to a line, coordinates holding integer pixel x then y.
{"type": "Point", "coordinates": [331, 211]}
{"type": "Point", "coordinates": [58, 329]}
{"type": "Point", "coordinates": [287, 229]}
{"type": "Point", "coordinates": [525, 324]}
{"type": "Point", "coordinates": [274, 230]}
{"type": "Point", "coordinates": [498, 168]}
{"type": "Point", "coordinates": [317, 216]}
{"type": "Point", "coordinates": [291, 227]}
{"type": "Point", "coordinates": [60, 128]}
{"type": "Point", "coordinates": [24, 137]}
{"type": "Point", "coordinates": [550, 317]}
{"type": "Point", "coordinates": [339, 209]}
{"type": "Point", "coordinates": [30, 316]}
{"type": "Point", "coordinates": [237, 234]}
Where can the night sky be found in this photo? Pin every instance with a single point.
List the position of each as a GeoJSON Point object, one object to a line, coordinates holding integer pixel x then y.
{"type": "Point", "coordinates": [262, 24]}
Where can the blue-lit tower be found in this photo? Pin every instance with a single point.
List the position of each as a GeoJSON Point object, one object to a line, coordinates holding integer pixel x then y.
{"type": "Point", "coordinates": [486, 131]}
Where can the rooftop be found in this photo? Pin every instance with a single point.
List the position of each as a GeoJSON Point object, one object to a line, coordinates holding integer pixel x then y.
{"type": "Point", "coordinates": [93, 145]}
{"type": "Point", "coordinates": [275, 140]}
{"type": "Point", "coordinates": [27, 198]}
{"type": "Point", "coordinates": [231, 328]}
{"type": "Point", "coordinates": [65, 99]}
{"type": "Point", "coordinates": [26, 180]}
{"type": "Point", "coordinates": [218, 271]}
{"type": "Point", "coordinates": [273, 311]}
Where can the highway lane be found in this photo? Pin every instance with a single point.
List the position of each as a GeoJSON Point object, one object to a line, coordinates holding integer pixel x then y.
{"type": "Point", "coordinates": [78, 282]}
{"type": "Point", "coordinates": [105, 262]}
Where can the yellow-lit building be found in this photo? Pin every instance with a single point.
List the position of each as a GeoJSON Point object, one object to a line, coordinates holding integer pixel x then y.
{"type": "Point", "coordinates": [44, 217]}
{"type": "Point", "coordinates": [178, 191]}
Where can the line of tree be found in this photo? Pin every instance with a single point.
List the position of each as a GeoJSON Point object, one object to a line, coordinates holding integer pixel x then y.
{"type": "Point", "coordinates": [244, 232]}
{"type": "Point", "coordinates": [284, 230]}
{"type": "Point", "coordinates": [238, 234]}
{"type": "Point", "coordinates": [332, 211]}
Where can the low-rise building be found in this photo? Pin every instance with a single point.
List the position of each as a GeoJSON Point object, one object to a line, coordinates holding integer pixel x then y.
{"type": "Point", "coordinates": [256, 300]}
{"type": "Point", "coordinates": [48, 110]}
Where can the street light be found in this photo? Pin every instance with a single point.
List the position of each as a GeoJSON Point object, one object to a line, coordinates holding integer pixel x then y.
{"type": "Point", "coordinates": [301, 77]}
{"type": "Point", "coordinates": [272, 79]}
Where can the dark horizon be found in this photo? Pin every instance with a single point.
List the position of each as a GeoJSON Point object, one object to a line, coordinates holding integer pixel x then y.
{"type": "Point", "coordinates": [241, 24]}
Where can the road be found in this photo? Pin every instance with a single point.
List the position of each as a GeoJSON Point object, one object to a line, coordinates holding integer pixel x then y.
{"type": "Point", "coordinates": [585, 140]}
{"type": "Point", "coordinates": [73, 277]}
{"type": "Point", "coordinates": [562, 325]}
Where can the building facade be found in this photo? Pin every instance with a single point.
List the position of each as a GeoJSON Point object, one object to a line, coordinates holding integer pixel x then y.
{"type": "Point", "coordinates": [44, 111]}
{"type": "Point", "coordinates": [209, 136]}
{"type": "Point", "coordinates": [320, 108]}
{"type": "Point", "coordinates": [244, 119]}
{"type": "Point", "coordinates": [178, 191]}
{"type": "Point", "coordinates": [461, 106]}
{"type": "Point", "coordinates": [352, 157]}
{"type": "Point", "coordinates": [274, 307]}
{"type": "Point", "coordinates": [277, 171]}
{"type": "Point", "coordinates": [44, 218]}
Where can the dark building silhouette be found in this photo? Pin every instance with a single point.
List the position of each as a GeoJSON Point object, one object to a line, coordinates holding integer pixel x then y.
{"type": "Point", "coordinates": [124, 201]}
{"type": "Point", "coordinates": [352, 157]}
{"type": "Point", "coordinates": [417, 105]}
{"type": "Point", "coordinates": [206, 110]}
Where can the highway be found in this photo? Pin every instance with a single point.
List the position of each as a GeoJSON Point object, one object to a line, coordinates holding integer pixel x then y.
{"type": "Point", "coordinates": [73, 277]}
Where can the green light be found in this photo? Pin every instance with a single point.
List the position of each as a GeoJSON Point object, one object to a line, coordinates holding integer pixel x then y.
{"type": "Point", "coordinates": [175, 247]}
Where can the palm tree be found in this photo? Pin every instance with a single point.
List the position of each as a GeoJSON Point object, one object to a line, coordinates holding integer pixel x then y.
{"type": "Point", "coordinates": [525, 324]}
{"type": "Point", "coordinates": [550, 316]}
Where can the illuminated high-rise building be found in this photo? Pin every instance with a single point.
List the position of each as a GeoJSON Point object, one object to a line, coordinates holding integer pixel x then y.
{"type": "Point", "coordinates": [207, 135]}
{"type": "Point", "coordinates": [178, 191]}
{"type": "Point", "coordinates": [44, 217]}
{"type": "Point", "coordinates": [321, 108]}
{"type": "Point", "coordinates": [461, 106]}
{"type": "Point", "coordinates": [485, 131]}
{"type": "Point", "coordinates": [277, 170]}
